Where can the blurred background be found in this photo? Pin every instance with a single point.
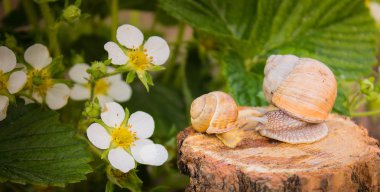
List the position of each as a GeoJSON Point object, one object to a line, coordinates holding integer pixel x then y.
{"type": "Point", "coordinates": [215, 45]}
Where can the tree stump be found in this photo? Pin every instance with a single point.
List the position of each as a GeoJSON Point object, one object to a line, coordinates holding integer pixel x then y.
{"type": "Point", "coordinates": [346, 160]}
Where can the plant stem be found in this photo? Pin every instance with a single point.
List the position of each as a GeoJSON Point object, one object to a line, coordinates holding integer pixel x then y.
{"type": "Point", "coordinates": [92, 86]}
{"type": "Point", "coordinates": [367, 113]}
{"type": "Point", "coordinates": [82, 125]}
{"type": "Point", "coordinates": [352, 103]}
{"type": "Point", "coordinates": [114, 16]}
{"type": "Point", "coordinates": [135, 16]}
{"type": "Point", "coordinates": [32, 17]}
{"type": "Point", "coordinates": [154, 24]}
{"type": "Point", "coordinates": [188, 98]}
{"type": "Point", "coordinates": [115, 73]}
{"type": "Point", "coordinates": [51, 29]}
{"type": "Point", "coordinates": [171, 64]}
{"type": "Point", "coordinates": [7, 6]}
{"type": "Point", "coordinates": [91, 146]}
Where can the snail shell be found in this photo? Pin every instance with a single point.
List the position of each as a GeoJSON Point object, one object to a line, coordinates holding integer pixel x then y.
{"type": "Point", "coordinates": [303, 88]}
{"type": "Point", "coordinates": [215, 112]}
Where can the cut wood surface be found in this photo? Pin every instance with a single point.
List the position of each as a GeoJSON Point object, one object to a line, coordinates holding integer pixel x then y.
{"type": "Point", "coordinates": [346, 160]}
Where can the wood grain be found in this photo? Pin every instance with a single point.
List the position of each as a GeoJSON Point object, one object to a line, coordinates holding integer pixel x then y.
{"type": "Point", "coordinates": [346, 160]}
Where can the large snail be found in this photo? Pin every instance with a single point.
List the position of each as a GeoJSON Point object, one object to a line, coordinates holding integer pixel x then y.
{"type": "Point", "coordinates": [302, 89]}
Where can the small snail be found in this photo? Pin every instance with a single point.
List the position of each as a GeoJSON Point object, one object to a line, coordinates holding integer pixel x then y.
{"type": "Point", "coordinates": [304, 90]}
{"type": "Point", "coordinates": [216, 113]}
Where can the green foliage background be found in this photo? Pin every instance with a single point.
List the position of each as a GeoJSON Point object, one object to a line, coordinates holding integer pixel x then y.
{"type": "Point", "coordinates": [230, 43]}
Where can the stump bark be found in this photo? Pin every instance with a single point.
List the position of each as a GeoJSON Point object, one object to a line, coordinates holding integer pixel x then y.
{"type": "Point", "coordinates": [346, 160]}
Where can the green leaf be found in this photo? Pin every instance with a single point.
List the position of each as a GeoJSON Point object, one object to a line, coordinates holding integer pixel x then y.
{"type": "Point", "coordinates": [36, 148]}
{"type": "Point", "coordinates": [341, 103]}
{"type": "Point", "coordinates": [143, 78]}
{"type": "Point", "coordinates": [244, 86]}
{"type": "Point", "coordinates": [56, 66]}
{"type": "Point", "coordinates": [341, 34]}
{"type": "Point", "coordinates": [156, 68]}
{"type": "Point", "coordinates": [222, 17]}
{"type": "Point", "coordinates": [149, 79]}
{"type": "Point", "coordinates": [131, 76]}
{"type": "Point", "coordinates": [109, 187]}
{"type": "Point", "coordinates": [44, 1]}
{"type": "Point", "coordinates": [161, 188]}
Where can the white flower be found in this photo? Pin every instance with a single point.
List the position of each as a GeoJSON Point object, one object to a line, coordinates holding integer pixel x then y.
{"type": "Point", "coordinates": [10, 82]}
{"type": "Point", "coordinates": [4, 102]}
{"type": "Point", "coordinates": [128, 141]}
{"type": "Point", "coordinates": [107, 89]}
{"type": "Point", "coordinates": [375, 11]}
{"type": "Point", "coordinates": [155, 51]}
{"type": "Point", "coordinates": [43, 88]}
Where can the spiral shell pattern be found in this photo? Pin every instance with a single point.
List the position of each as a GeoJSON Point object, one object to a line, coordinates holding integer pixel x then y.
{"type": "Point", "coordinates": [215, 112]}
{"type": "Point", "coordinates": [302, 87]}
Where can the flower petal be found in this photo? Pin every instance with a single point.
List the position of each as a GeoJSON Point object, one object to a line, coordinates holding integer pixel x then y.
{"type": "Point", "coordinates": [56, 96]}
{"type": "Point", "coordinates": [120, 91]}
{"type": "Point", "coordinates": [158, 49]}
{"type": "Point", "coordinates": [37, 97]}
{"type": "Point", "coordinates": [121, 160]}
{"type": "Point", "coordinates": [4, 102]}
{"type": "Point", "coordinates": [79, 92]}
{"type": "Point", "coordinates": [7, 59]}
{"type": "Point", "coordinates": [103, 99]}
{"type": "Point", "coordinates": [115, 53]}
{"type": "Point", "coordinates": [78, 73]}
{"type": "Point", "coordinates": [374, 8]}
{"type": "Point", "coordinates": [113, 114]}
{"type": "Point", "coordinates": [138, 145]}
{"type": "Point", "coordinates": [112, 78]}
{"type": "Point", "coordinates": [154, 154]}
{"type": "Point", "coordinates": [26, 100]}
{"type": "Point", "coordinates": [22, 66]}
{"type": "Point", "coordinates": [142, 123]}
{"type": "Point", "coordinates": [98, 136]}
{"type": "Point", "coordinates": [38, 56]}
{"type": "Point", "coordinates": [16, 81]}
{"type": "Point", "coordinates": [129, 36]}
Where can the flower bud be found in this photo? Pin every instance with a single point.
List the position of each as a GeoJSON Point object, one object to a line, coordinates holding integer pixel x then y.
{"type": "Point", "coordinates": [97, 70]}
{"type": "Point", "coordinates": [373, 97]}
{"type": "Point", "coordinates": [10, 41]}
{"type": "Point", "coordinates": [92, 109]}
{"type": "Point", "coordinates": [366, 86]}
{"type": "Point", "coordinates": [71, 13]}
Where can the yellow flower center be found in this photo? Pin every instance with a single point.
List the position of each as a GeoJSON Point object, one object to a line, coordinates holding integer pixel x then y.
{"type": "Point", "coordinates": [367, 2]}
{"type": "Point", "coordinates": [101, 87]}
{"type": "Point", "coordinates": [139, 59]}
{"type": "Point", "coordinates": [123, 136]}
{"type": "Point", "coordinates": [39, 81]}
{"type": "Point", "coordinates": [3, 81]}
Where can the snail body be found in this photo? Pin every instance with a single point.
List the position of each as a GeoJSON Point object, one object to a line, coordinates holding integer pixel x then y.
{"type": "Point", "coordinates": [280, 126]}
{"type": "Point", "coordinates": [304, 90]}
